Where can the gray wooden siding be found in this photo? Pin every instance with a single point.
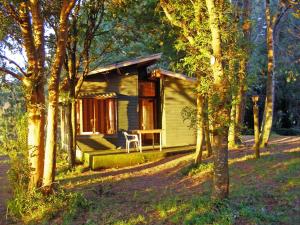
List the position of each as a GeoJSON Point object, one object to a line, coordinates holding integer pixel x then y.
{"type": "Point", "coordinates": [126, 88]}
{"type": "Point", "coordinates": [176, 95]}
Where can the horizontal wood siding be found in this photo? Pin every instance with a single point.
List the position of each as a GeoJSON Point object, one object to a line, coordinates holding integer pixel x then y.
{"type": "Point", "coordinates": [126, 87]}
{"type": "Point", "coordinates": [177, 94]}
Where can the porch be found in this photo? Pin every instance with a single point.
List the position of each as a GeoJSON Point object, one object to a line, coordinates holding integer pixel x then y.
{"type": "Point", "coordinates": [97, 153]}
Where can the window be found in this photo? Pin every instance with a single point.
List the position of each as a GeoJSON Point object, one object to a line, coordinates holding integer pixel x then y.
{"type": "Point", "coordinates": [99, 115]}
{"type": "Point", "coordinates": [146, 89]}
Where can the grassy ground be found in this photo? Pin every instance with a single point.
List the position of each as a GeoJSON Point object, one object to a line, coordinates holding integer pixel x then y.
{"type": "Point", "coordinates": [171, 191]}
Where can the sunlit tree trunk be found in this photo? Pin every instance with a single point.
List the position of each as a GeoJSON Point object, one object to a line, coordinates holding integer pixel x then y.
{"type": "Point", "coordinates": [233, 81]}
{"type": "Point", "coordinates": [232, 127]}
{"type": "Point", "coordinates": [36, 126]}
{"type": "Point", "coordinates": [200, 129]}
{"type": "Point", "coordinates": [268, 112]}
{"type": "Point", "coordinates": [220, 113]}
{"type": "Point", "coordinates": [32, 28]}
{"type": "Point", "coordinates": [53, 94]}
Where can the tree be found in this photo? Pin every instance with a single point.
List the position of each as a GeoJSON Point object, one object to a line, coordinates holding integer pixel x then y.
{"type": "Point", "coordinates": [193, 42]}
{"type": "Point", "coordinates": [272, 25]}
{"type": "Point", "coordinates": [53, 94]}
{"type": "Point", "coordinates": [243, 13]}
{"type": "Point", "coordinates": [27, 18]}
{"type": "Point", "coordinates": [85, 22]}
{"type": "Point", "coordinates": [200, 35]}
{"type": "Point", "coordinates": [218, 102]}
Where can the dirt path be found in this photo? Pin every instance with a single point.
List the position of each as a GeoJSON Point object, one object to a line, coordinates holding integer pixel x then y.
{"type": "Point", "coordinates": [5, 192]}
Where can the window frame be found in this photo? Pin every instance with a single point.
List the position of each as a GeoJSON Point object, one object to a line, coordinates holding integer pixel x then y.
{"type": "Point", "coordinates": [95, 102]}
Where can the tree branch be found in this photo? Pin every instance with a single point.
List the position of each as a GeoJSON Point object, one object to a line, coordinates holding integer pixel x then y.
{"type": "Point", "coordinates": [177, 23]}
{"type": "Point", "coordinates": [26, 29]}
{"type": "Point", "coordinates": [277, 19]}
{"type": "Point", "coordinates": [11, 73]}
{"type": "Point", "coordinates": [14, 63]}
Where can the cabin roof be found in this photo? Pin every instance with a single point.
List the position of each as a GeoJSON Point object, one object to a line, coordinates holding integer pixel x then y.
{"type": "Point", "coordinates": [144, 60]}
{"type": "Point", "coordinates": [162, 72]}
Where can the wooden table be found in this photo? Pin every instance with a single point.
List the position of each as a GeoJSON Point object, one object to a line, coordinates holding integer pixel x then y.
{"type": "Point", "coordinates": [153, 131]}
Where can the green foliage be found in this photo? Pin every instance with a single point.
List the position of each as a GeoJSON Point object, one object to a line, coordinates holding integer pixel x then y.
{"type": "Point", "coordinates": [189, 114]}
{"type": "Point", "coordinates": [130, 29]}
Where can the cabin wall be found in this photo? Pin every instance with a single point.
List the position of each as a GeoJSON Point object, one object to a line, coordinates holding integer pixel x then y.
{"type": "Point", "coordinates": [176, 95]}
{"type": "Point", "coordinates": [126, 87]}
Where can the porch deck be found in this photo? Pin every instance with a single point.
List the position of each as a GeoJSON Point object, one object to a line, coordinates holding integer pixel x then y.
{"type": "Point", "coordinates": [97, 156]}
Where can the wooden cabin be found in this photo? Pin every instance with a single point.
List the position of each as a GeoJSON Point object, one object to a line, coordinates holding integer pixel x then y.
{"type": "Point", "coordinates": [126, 96]}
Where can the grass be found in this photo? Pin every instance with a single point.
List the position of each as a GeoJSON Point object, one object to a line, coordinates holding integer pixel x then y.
{"type": "Point", "coordinates": [36, 208]}
{"type": "Point", "coordinates": [262, 191]}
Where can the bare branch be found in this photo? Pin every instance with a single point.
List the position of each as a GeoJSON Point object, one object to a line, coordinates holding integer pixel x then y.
{"type": "Point", "coordinates": [6, 71]}
{"type": "Point", "coordinates": [278, 17]}
{"type": "Point", "coordinates": [14, 63]}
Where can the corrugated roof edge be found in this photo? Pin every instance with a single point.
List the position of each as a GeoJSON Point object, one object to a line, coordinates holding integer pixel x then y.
{"type": "Point", "coordinates": [173, 74]}
{"type": "Point", "coordinates": [131, 62]}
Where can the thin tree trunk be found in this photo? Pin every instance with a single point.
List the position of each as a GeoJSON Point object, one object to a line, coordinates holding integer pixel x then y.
{"type": "Point", "coordinates": [53, 90]}
{"type": "Point", "coordinates": [62, 126]}
{"type": "Point", "coordinates": [200, 134]}
{"type": "Point", "coordinates": [268, 112]}
{"type": "Point", "coordinates": [240, 98]}
{"type": "Point", "coordinates": [69, 135]}
{"type": "Point", "coordinates": [74, 124]}
{"type": "Point", "coordinates": [206, 130]}
{"type": "Point", "coordinates": [232, 127]}
{"type": "Point", "coordinates": [220, 114]}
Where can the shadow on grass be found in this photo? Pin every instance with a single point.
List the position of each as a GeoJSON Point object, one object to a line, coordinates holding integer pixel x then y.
{"type": "Point", "coordinates": [111, 173]}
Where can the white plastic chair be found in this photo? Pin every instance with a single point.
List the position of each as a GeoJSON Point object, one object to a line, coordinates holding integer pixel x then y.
{"type": "Point", "coordinates": [131, 138]}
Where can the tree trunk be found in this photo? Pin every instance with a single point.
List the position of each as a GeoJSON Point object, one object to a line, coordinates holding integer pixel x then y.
{"type": "Point", "coordinates": [36, 132]}
{"type": "Point", "coordinates": [268, 112]}
{"type": "Point", "coordinates": [220, 114]}
{"type": "Point", "coordinates": [206, 130]}
{"type": "Point", "coordinates": [53, 90]}
{"type": "Point", "coordinates": [240, 98]}
{"type": "Point", "coordinates": [199, 145]}
{"type": "Point", "coordinates": [232, 127]}
{"type": "Point", "coordinates": [62, 126]}
{"type": "Point", "coordinates": [70, 136]}
{"type": "Point", "coordinates": [74, 123]}
{"type": "Point", "coordinates": [256, 130]}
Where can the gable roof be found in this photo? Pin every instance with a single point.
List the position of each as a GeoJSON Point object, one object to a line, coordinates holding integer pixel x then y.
{"type": "Point", "coordinates": [144, 60]}
{"type": "Point", "coordinates": [162, 72]}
